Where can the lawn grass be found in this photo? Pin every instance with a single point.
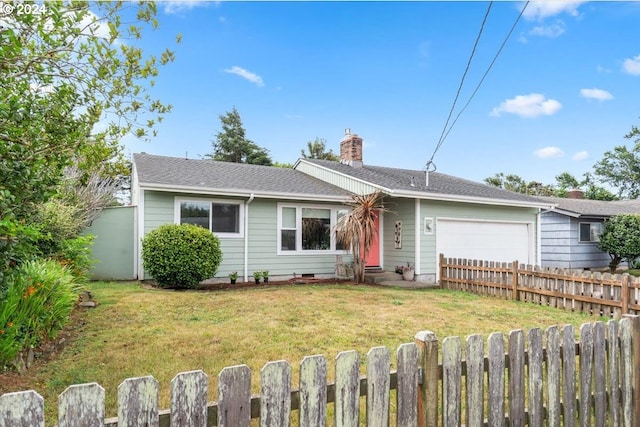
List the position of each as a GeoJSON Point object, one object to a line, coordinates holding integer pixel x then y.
{"type": "Point", "coordinates": [136, 331]}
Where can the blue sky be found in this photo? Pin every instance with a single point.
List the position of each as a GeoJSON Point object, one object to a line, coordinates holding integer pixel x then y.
{"type": "Point", "coordinates": [564, 90]}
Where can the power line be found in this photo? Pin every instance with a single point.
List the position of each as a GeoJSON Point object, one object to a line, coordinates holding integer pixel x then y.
{"type": "Point", "coordinates": [473, 51]}
{"type": "Point", "coordinates": [445, 131]}
{"type": "Point", "coordinates": [513, 27]}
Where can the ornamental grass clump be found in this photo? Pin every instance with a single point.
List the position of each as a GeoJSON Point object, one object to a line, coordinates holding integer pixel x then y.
{"type": "Point", "coordinates": [39, 299]}
{"type": "Point", "coordinates": [181, 256]}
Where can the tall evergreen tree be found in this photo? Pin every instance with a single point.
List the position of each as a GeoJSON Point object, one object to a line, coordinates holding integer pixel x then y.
{"type": "Point", "coordinates": [232, 145]}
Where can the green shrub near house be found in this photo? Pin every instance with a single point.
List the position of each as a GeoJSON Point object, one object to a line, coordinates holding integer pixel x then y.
{"type": "Point", "coordinates": [181, 256]}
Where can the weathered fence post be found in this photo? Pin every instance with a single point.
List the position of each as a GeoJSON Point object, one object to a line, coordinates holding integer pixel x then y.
{"type": "Point", "coordinates": [189, 399]}
{"type": "Point", "coordinates": [442, 269]}
{"type": "Point", "coordinates": [81, 405]}
{"type": "Point", "coordinates": [427, 344]}
{"type": "Point", "coordinates": [514, 280]}
{"type": "Point", "coordinates": [347, 404]}
{"type": "Point", "coordinates": [451, 381]}
{"type": "Point", "coordinates": [22, 409]}
{"type": "Point", "coordinates": [378, 380]}
{"type": "Point", "coordinates": [313, 391]}
{"type": "Point", "coordinates": [635, 342]}
{"type": "Point", "coordinates": [624, 288]}
{"type": "Point", "coordinates": [407, 389]}
{"type": "Point", "coordinates": [138, 402]}
{"type": "Point", "coordinates": [234, 396]}
{"type": "Point", "coordinates": [275, 394]}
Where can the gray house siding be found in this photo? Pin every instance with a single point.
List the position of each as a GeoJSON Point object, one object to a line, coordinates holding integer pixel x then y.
{"type": "Point", "coordinates": [561, 247]}
{"type": "Point", "coordinates": [262, 235]}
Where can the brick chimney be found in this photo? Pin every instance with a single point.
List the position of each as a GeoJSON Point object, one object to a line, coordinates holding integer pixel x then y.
{"type": "Point", "coordinates": [575, 193]}
{"type": "Point", "coordinates": [351, 149]}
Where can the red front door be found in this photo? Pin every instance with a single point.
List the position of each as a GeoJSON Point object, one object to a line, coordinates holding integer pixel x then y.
{"type": "Point", "coordinates": [373, 257]}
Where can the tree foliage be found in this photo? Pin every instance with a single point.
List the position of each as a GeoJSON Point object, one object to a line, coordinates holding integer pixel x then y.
{"type": "Point", "coordinates": [317, 149]}
{"type": "Point", "coordinates": [620, 167]}
{"type": "Point", "coordinates": [621, 239]}
{"type": "Point", "coordinates": [517, 184]}
{"type": "Point", "coordinates": [232, 145]}
{"type": "Point", "coordinates": [564, 182]}
{"type": "Point", "coordinates": [73, 84]}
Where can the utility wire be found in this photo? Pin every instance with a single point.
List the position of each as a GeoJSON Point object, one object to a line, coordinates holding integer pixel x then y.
{"type": "Point", "coordinates": [445, 132]}
{"type": "Point", "coordinates": [513, 27]}
{"type": "Point", "coordinates": [453, 106]}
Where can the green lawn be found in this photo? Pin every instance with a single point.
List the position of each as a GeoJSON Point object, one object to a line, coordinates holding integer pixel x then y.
{"type": "Point", "coordinates": [136, 331]}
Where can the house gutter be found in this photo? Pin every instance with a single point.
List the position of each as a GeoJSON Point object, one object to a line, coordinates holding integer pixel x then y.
{"type": "Point", "coordinates": [246, 236]}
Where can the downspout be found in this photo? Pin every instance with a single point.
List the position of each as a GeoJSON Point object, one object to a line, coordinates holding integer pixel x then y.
{"type": "Point", "coordinates": [246, 237]}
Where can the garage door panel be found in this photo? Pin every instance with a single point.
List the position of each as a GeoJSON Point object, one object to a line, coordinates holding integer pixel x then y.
{"type": "Point", "coordinates": [486, 240]}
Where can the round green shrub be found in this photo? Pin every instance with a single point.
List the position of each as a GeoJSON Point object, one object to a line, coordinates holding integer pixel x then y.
{"type": "Point", "coordinates": [181, 256]}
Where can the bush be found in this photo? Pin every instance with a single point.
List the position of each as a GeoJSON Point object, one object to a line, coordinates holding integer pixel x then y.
{"type": "Point", "coordinates": [39, 299]}
{"type": "Point", "coordinates": [76, 254]}
{"type": "Point", "coordinates": [181, 256]}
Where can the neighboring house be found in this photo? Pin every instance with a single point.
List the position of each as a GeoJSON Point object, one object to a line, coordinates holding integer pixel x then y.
{"type": "Point", "coordinates": [571, 231]}
{"type": "Point", "coordinates": [281, 219]}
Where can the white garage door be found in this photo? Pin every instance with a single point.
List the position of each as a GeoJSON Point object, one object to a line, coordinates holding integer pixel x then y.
{"type": "Point", "coordinates": [485, 240]}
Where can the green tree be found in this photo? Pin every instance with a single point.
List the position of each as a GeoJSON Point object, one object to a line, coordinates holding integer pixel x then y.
{"type": "Point", "coordinates": [621, 239]}
{"type": "Point", "coordinates": [621, 167]}
{"type": "Point", "coordinates": [72, 84]}
{"type": "Point", "coordinates": [232, 145]}
{"type": "Point", "coordinates": [592, 191]}
{"type": "Point", "coordinates": [317, 149]}
{"type": "Point", "coordinates": [517, 184]}
{"type": "Point", "coordinates": [63, 71]}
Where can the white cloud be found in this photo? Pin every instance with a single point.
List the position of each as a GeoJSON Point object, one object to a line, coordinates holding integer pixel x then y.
{"type": "Point", "coordinates": [598, 94]}
{"type": "Point", "coordinates": [581, 155]}
{"type": "Point", "coordinates": [601, 69]}
{"type": "Point", "coordinates": [632, 65]}
{"type": "Point", "coordinates": [544, 9]}
{"type": "Point", "coordinates": [176, 6]}
{"type": "Point", "coordinates": [549, 153]}
{"type": "Point", "coordinates": [551, 31]}
{"type": "Point", "coordinates": [532, 105]}
{"type": "Point", "coordinates": [245, 74]}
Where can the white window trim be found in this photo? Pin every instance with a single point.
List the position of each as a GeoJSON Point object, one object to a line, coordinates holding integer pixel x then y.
{"type": "Point", "coordinates": [240, 203]}
{"type": "Point", "coordinates": [299, 206]}
{"type": "Point", "coordinates": [591, 224]}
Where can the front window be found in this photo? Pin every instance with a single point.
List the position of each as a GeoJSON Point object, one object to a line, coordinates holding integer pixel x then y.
{"type": "Point", "coordinates": [308, 229]}
{"type": "Point", "coordinates": [222, 217]}
{"type": "Point", "coordinates": [590, 232]}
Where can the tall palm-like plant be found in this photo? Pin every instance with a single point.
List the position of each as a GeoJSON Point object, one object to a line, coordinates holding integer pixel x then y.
{"type": "Point", "coordinates": [357, 229]}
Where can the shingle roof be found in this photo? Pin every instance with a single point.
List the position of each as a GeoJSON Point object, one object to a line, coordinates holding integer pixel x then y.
{"type": "Point", "coordinates": [229, 177]}
{"type": "Point", "coordinates": [400, 180]}
{"type": "Point", "coordinates": [595, 208]}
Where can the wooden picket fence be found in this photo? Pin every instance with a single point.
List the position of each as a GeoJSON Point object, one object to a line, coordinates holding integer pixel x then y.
{"type": "Point", "coordinates": [590, 292]}
{"type": "Point", "coordinates": [590, 381]}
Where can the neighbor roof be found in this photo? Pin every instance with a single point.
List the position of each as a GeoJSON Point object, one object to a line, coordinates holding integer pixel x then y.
{"type": "Point", "coordinates": [593, 208]}
{"type": "Point", "coordinates": [201, 175]}
{"type": "Point", "coordinates": [412, 183]}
